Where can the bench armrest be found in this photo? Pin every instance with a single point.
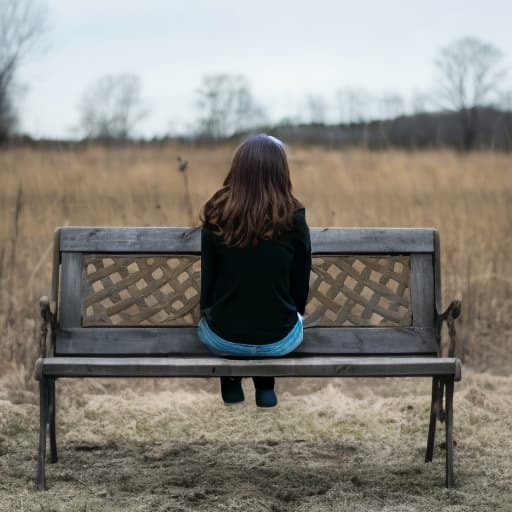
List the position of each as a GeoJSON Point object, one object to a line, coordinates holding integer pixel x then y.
{"type": "Point", "coordinates": [452, 312]}
{"type": "Point", "coordinates": [49, 318]}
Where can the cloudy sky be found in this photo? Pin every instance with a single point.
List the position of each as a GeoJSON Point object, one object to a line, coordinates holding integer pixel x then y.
{"type": "Point", "coordinates": [288, 49]}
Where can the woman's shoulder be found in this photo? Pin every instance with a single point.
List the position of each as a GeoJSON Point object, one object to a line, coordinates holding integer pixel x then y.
{"type": "Point", "coordinates": [299, 218]}
{"type": "Point", "coordinates": [300, 214]}
{"type": "Point", "coordinates": [209, 231]}
{"type": "Point", "coordinates": [300, 226]}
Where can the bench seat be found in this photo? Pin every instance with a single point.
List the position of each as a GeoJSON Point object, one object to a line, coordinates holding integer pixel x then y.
{"type": "Point", "coordinates": [278, 367]}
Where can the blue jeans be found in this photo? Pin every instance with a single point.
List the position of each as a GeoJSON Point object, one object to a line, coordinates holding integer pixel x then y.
{"type": "Point", "coordinates": [221, 347]}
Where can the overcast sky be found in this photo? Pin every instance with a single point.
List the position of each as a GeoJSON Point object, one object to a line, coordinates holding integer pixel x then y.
{"type": "Point", "coordinates": [287, 49]}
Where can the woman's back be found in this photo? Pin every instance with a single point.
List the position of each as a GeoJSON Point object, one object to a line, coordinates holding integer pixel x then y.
{"type": "Point", "coordinates": [252, 294]}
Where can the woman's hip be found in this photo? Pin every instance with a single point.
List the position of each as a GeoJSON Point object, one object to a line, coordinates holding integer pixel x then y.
{"type": "Point", "coordinates": [220, 346]}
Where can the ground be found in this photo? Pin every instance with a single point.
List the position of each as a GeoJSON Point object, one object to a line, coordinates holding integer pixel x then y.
{"type": "Point", "coordinates": [352, 445]}
{"type": "Point", "coordinates": [347, 444]}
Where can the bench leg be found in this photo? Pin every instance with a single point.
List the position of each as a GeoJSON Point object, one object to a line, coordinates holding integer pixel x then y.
{"type": "Point", "coordinates": [440, 410]}
{"type": "Point", "coordinates": [43, 422]}
{"type": "Point", "coordinates": [449, 384]}
{"type": "Point", "coordinates": [52, 406]}
{"type": "Point", "coordinates": [434, 407]}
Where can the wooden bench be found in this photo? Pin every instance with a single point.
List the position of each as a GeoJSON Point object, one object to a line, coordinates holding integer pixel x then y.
{"type": "Point", "coordinates": [126, 304]}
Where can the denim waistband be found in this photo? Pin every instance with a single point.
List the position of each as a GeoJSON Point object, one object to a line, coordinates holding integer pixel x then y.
{"type": "Point", "coordinates": [221, 347]}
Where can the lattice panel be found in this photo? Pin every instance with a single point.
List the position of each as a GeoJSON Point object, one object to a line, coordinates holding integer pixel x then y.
{"type": "Point", "coordinates": [359, 291]}
{"type": "Point", "coordinates": [152, 290]}
{"type": "Point", "coordinates": [141, 290]}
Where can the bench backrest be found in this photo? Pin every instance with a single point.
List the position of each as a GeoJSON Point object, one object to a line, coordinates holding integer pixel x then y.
{"type": "Point", "coordinates": [135, 291]}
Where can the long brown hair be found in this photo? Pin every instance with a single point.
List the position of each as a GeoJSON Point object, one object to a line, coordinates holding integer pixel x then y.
{"type": "Point", "coordinates": [256, 200]}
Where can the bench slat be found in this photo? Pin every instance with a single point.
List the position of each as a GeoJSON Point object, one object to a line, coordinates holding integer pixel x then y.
{"type": "Point", "coordinates": [279, 367]}
{"type": "Point", "coordinates": [70, 294]}
{"type": "Point", "coordinates": [183, 340]}
{"type": "Point", "coordinates": [422, 289]}
{"type": "Point", "coordinates": [186, 240]}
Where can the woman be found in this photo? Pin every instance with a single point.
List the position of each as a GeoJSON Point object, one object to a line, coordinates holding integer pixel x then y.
{"type": "Point", "coordinates": [255, 264]}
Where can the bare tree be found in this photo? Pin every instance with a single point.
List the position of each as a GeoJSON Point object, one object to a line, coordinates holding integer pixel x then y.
{"type": "Point", "coordinates": [505, 101]}
{"type": "Point", "coordinates": [22, 23]}
{"type": "Point", "coordinates": [112, 106]}
{"type": "Point", "coordinates": [7, 114]}
{"type": "Point", "coordinates": [420, 102]}
{"type": "Point", "coordinates": [317, 108]}
{"type": "Point", "coordinates": [354, 104]}
{"type": "Point", "coordinates": [391, 105]}
{"type": "Point", "coordinates": [226, 106]}
{"type": "Point", "coordinates": [469, 75]}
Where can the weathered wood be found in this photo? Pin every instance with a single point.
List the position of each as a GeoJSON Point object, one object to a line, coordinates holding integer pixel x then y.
{"type": "Point", "coordinates": [278, 367]}
{"type": "Point", "coordinates": [371, 240]}
{"type": "Point", "coordinates": [131, 239]}
{"type": "Point", "coordinates": [398, 350]}
{"type": "Point", "coordinates": [359, 290]}
{"type": "Point", "coordinates": [437, 286]}
{"type": "Point", "coordinates": [71, 272]}
{"type": "Point", "coordinates": [135, 290]}
{"type": "Point", "coordinates": [140, 290]}
{"type": "Point", "coordinates": [437, 270]}
{"type": "Point", "coordinates": [422, 290]}
{"type": "Point", "coordinates": [184, 340]}
{"type": "Point", "coordinates": [54, 292]}
{"type": "Point", "coordinates": [188, 240]}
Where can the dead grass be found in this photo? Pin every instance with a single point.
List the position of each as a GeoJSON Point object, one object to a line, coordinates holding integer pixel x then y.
{"type": "Point", "coordinates": [467, 197]}
{"type": "Point", "coordinates": [353, 445]}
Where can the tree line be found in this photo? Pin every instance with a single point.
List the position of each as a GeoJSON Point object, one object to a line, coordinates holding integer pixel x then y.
{"type": "Point", "coordinates": [470, 107]}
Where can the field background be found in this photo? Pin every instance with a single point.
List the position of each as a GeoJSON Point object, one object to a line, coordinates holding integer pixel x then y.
{"type": "Point", "coordinates": [467, 197]}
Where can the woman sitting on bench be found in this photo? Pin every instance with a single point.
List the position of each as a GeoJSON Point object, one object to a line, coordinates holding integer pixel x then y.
{"type": "Point", "coordinates": [255, 264]}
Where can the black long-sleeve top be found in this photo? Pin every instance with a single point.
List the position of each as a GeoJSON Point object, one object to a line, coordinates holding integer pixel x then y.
{"type": "Point", "coordinates": [252, 294]}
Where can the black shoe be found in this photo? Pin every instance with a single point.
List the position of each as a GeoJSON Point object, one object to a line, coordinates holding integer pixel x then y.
{"type": "Point", "coordinates": [231, 390]}
{"type": "Point", "coordinates": [266, 398]}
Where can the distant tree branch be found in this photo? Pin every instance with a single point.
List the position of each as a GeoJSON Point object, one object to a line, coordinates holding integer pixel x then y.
{"type": "Point", "coordinates": [469, 73]}
{"type": "Point", "coordinates": [112, 107]}
{"type": "Point", "coordinates": [22, 23]}
{"type": "Point", "coordinates": [226, 106]}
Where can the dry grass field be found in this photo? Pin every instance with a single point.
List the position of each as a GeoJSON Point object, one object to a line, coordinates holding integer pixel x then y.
{"type": "Point", "coordinates": [351, 445]}
{"type": "Point", "coordinates": [468, 197]}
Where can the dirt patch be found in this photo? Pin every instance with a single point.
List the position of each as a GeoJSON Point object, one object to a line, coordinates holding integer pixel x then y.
{"type": "Point", "coordinates": [355, 445]}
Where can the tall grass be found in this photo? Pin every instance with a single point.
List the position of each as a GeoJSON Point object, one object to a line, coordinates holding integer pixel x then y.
{"type": "Point", "coordinates": [468, 197]}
